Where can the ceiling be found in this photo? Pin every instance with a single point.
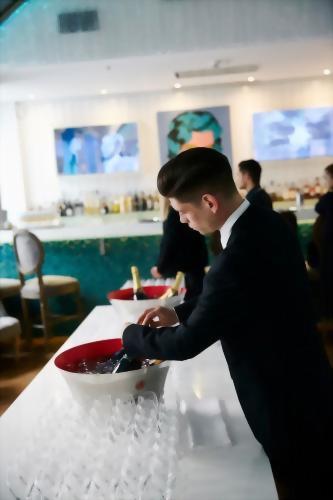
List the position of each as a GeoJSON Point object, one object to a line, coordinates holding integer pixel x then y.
{"type": "Point", "coordinates": [142, 44]}
{"type": "Point", "coordinates": [278, 61]}
{"type": "Point", "coordinates": [7, 7]}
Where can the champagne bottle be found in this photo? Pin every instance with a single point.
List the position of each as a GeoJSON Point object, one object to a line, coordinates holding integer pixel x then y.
{"type": "Point", "coordinates": [123, 363]}
{"type": "Point", "coordinates": [138, 293]}
{"type": "Point", "coordinates": [174, 289]}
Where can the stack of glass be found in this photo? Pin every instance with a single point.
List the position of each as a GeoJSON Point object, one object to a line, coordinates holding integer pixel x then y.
{"type": "Point", "coordinates": [123, 449]}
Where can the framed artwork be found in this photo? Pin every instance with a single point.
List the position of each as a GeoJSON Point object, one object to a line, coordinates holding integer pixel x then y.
{"type": "Point", "coordinates": [293, 133]}
{"type": "Point", "coordinates": [97, 150]}
{"type": "Point", "coordinates": [205, 127]}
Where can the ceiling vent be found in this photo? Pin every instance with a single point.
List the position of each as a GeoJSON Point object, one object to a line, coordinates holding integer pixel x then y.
{"type": "Point", "coordinates": [216, 71]}
{"type": "Point", "coordinates": [74, 22]}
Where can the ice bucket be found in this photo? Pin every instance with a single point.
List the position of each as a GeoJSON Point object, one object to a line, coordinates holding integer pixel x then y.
{"type": "Point", "coordinates": [129, 309]}
{"type": "Point", "coordinates": [84, 385]}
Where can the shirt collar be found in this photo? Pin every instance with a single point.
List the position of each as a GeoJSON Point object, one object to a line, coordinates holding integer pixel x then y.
{"type": "Point", "coordinates": [225, 230]}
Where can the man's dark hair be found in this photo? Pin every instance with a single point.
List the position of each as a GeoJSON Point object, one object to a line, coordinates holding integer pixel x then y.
{"type": "Point", "coordinates": [195, 172]}
{"type": "Point", "coordinates": [253, 168]}
{"type": "Point", "coordinates": [329, 170]}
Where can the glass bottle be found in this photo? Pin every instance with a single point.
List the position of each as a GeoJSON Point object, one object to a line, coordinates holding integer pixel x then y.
{"type": "Point", "coordinates": [174, 289]}
{"type": "Point", "coordinates": [138, 292]}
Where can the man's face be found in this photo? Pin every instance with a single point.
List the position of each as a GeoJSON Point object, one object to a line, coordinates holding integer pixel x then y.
{"type": "Point", "coordinates": [328, 180]}
{"type": "Point", "coordinates": [197, 216]}
{"type": "Point", "coordinates": [242, 178]}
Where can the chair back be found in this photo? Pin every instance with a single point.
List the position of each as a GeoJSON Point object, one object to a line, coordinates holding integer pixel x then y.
{"type": "Point", "coordinates": [29, 253]}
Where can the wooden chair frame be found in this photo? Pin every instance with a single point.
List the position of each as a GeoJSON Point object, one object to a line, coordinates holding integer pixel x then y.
{"type": "Point", "coordinates": [48, 320]}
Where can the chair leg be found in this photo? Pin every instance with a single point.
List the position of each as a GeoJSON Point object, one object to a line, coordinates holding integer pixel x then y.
{"type": "Point", "coordinates": [79, 305]}
{"type": "Point", "coordinates": [27, 322]}
{"type": "Point", "coordinates": [17, 348]}
{"type": "Point", "coordinates": [44, 312]}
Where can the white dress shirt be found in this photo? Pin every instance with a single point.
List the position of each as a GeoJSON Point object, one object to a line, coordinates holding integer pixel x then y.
{"type": "Point", "coordinates": [227, 226]}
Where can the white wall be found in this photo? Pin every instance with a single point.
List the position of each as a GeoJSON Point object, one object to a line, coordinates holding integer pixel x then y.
{"type": "Point", "coordinates": [12, 177]}
{"type": "Point", "coordinates": [37, 120]}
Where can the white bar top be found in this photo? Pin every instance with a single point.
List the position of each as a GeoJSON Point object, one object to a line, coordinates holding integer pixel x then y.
{"type": "Point", "coordinates": [110, 226]}
{"type": "Point", "coordinates": [94, 227]}
{"type": "Point", "coordinates": [239, 471]}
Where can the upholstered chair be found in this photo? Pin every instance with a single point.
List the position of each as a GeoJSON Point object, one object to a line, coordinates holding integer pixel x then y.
{"type": "Point", "coordinates": [29, 254]}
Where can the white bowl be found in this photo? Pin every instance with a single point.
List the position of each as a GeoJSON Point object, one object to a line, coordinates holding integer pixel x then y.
{"type": "Point", "coordinates": [89, 385]}
{"type": "Point", "coordinates": [130, 310]}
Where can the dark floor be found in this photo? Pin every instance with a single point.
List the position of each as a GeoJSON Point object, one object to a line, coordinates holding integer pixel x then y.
{"type": "Point", "coordinates": [15, 376]}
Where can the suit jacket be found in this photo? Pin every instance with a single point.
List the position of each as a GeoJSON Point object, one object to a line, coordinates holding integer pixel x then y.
{"type": "Point", "coordinates": [255, 300]}
{"type": "Point", "coordinates": [181, 249]}
{"type": "Point", "coordinates": [258, 196]}
{"type": "Point", "coordinates": [324, 208]}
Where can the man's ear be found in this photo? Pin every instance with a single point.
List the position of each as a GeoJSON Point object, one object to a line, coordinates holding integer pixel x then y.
{"type": "Point", "coordinates": [211, 202]}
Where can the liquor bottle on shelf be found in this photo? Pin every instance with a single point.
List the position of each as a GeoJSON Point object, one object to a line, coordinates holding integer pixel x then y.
{"type": "Point", "coordinates": [135, 203]}
{"type": "Point", "coordinates": [156, 202]}
{"type": "Point", "coordinates": [103, 207]}
{"type": "Point", "coordinates": [272, 191]}
{"type": "Point", "coordinates": [299, 200]}
{"type": "Point", "coordinates": [61, 209]}
{"type": "Point", "coordinates": [128, 203]}
{"type": "Point", "coordinates": [292, 190]}
{"type": "Point", "coordinates": [174, 289]}
{"type": "Point", "coordinates": [138, 292]}
{"type": "Point", "coordinates": [78, 207]}
{"type": "Point", "coordinates": [317, 188]}
{"type": "Point", "coordinates": [69, 211]}
{"type": "Point", "coordinates": [115, 206]}
{"type": "Point", "coordinates": [122, 204]}
{"type": "Point", "coordinates": [312, 191]}
{"type": "Point", "coordinates": [150, 202]}
{"type": "Point", "coordinates": [306, 191]}
{"type": "Point", "coordinates": [285, 192]}
{"type": "Point", "coordinates": [143, 202]}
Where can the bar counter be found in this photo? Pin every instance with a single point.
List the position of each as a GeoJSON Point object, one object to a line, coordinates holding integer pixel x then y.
{"type": "Point", "coordinates": [214, 470]}
{"type": "Point", "coordinates": [99, 250]}
{"type": "Point", "coordinates": [87, 227]}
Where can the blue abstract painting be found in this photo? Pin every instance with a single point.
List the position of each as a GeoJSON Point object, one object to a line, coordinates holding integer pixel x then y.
{"type": "Point", "coordinates": [294, 133]}
{"type": "Point", "coordinates": [97, 150]}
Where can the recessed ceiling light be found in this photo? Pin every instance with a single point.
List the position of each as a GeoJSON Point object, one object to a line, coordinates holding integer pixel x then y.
{"type": "Point", "coordinates": [250, 79]}
{"type": "Point", "coordinates": [103, 91]}
{"type": "Point", "coordinates": [178, 85]}
{"type": "Point", "coordinates": [326, 71]}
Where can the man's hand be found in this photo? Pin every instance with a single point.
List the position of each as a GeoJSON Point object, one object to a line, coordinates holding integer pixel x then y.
{"type": "Point", "coordinates": [158, 316]}
{"type": "Point", "coordinates": [154, 272]}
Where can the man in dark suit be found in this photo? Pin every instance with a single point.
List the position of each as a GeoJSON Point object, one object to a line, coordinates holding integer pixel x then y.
{"type": "Point", "coordinates": [172, 258]}
{"type": "Point", "coordinates": [255, 300]}
{"type": "Point", "coordinates": [250, 173]}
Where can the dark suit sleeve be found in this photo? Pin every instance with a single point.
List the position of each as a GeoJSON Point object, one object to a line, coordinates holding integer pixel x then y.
{"type": "Point", "coordinates": [260, 198]}
{"type": "Point", "coordinates": [220, 310]}
{"type": "Point", "coordinates": [184, 310]}
{"type": "Point", "coordinates": [168, 246]}
{"type": "Point", "coordinates": [181, 248]}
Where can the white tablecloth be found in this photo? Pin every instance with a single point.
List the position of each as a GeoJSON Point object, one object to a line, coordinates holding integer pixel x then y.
{"type": "Point", "coordinates": [212, 469]}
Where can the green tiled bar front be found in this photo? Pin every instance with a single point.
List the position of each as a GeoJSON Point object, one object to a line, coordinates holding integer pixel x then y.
{"type": "Point", "coordinates": [98, 274]}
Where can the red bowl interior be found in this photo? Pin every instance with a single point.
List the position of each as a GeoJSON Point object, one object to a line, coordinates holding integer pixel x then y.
{"type": "Point", "coordinates": [152, 292]}
{"type": "Point", "coordinates": [68, 360]}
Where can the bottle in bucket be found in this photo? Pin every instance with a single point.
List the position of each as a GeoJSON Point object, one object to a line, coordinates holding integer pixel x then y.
{"type": "Point", "coordinates": [138, 293]}
{"type": "Point", "coordinates": [122, 363]}
{"type": "Point", "coordinates": [174, 289]}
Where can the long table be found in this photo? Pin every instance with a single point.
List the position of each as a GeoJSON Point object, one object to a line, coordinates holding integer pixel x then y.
{"type": "Point", "coordinates": [216, 466]}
